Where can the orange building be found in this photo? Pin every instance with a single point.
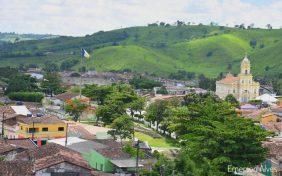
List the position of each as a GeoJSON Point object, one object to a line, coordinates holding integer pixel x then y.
{"type": "Point", "coordinates": [269, 117]}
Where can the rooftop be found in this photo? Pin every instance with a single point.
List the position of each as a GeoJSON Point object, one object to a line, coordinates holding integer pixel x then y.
{"type": "Point", "coordinates": [46, 119]}
{"type": "Point", "coordinates": [51, 154]}
{"type": "Point", "coordinates": [66, 96]}
{"type": "Point", "coordinates": [229, 79]}
{"type": "Point", "coordinates": [13, 144]}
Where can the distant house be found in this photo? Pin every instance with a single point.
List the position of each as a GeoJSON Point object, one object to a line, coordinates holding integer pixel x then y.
{"type": "Point", "coordinates": [103, 155]}
{"type": "Point", "coordinates": [60, 99]}
{"type": "Point", "coordinates": [5, 100]}
{"type": "Point", "coordinates": [37, 76]}
{"type": "Point", "coordinates": [51, 159]}
{"type": "Point", "coordinates": [273, 164]}
{"type": "Point", "coordinates": [275, 127]}
{"type": "Point", "coordinates": [269, 117]}
{"type": "Point", "coordinates": [248, 107]}
{"type": "Point", "coordinates": [267, 98]}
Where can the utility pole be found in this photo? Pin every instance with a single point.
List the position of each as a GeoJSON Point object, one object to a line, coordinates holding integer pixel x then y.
{"type": "Point", "coordinates": [2, 134]}
{"type": "Point", "coordinates": [81, 71]}
{"type": "Point", "coordinates": [137, 158]}
{"type": "Point", "coordinates": [33, 130]}
{"type": "Point", "coordinates": [66, 141]}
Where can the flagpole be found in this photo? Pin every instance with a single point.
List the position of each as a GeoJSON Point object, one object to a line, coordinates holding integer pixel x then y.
{"type": "Point", "coordinates": [80, 82]}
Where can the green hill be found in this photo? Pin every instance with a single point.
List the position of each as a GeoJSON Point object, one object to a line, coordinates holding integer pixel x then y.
{"type": "Point", "coordinates": [159, 50]}
{"type": "Point", "coordinates": [13, 37]}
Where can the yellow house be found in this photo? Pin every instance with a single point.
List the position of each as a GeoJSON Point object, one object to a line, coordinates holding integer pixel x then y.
{"type": "Point", "coordinates": [37, 128]}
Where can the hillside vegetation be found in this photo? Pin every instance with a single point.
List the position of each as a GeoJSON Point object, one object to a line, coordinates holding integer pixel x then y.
{"type": "Point", "coordinates": [13, 37]}
{"type": "Point", "coordinates": [159, 50]}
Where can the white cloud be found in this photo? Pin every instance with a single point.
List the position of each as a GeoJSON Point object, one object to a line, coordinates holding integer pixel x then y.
{"type": "Point", "coordinates": [74, 17]}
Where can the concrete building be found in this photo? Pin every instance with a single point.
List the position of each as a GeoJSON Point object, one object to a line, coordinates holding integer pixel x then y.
{"type": "Point", "coordinates": [243, 87]}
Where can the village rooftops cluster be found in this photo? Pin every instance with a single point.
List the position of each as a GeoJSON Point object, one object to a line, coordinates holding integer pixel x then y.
{"type": "Point", "coordinates": [48, 159]}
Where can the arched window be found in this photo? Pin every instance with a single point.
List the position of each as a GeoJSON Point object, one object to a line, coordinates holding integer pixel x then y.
{"type": "Point", "coordinates": [246, 71]}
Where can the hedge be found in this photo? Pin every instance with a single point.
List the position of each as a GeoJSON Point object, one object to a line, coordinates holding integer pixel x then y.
{"type": "Point", "coordinates": [26, 96]}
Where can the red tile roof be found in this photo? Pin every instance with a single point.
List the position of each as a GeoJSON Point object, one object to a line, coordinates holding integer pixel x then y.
{"type": "Point", "coordinates": [13, 144]}
{"type": "Point", "coordinates": [229, 79]}
{"type": "Point", "coordinates": [274, 146]}
{"type": "Point", "coordinates": [52, 154]}
{"type": "Point", "coordinates": [273, 126]}
{"type": "Point", "coordinates": [66, 96]}
{"type": "Point", "coordinates": [16, 168]}
{"type": "Point", "coordinates": [47, 119]}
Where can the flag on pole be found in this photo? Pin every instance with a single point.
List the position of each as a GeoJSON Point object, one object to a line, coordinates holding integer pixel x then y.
{"type": "Point", "coordinates": [84, 53]}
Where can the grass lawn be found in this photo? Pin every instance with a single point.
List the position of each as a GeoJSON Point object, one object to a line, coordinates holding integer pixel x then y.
{"type": "Point", "coordinates": [156, 142]}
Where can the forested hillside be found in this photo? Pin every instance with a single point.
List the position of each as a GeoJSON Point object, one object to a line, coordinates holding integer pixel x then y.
{"type": "Point", "coordinates": [158, 49]}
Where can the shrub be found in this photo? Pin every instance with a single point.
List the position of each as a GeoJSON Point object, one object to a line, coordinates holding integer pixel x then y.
{"type": "Point", "coordinates": [26, 96]}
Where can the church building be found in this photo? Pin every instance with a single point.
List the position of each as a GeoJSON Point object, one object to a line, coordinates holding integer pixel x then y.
{"type": "Point", "coordinates": [243, 87]}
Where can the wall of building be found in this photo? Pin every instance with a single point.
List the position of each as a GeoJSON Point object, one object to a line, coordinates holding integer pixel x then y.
{"type": "Point", "coordinates": [98, 161]}
{"type": "Point", "coordinates": [53, 132]}
{"type": "Point", "coordinates": [63, 168]}
{"type": "Point", "coordinates": [222, 90]}
{"type": "Point", "coordinates": [90, 80]}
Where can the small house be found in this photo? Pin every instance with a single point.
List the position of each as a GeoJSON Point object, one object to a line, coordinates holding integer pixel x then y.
{"type": "Point", "coordinates": [269, 117]}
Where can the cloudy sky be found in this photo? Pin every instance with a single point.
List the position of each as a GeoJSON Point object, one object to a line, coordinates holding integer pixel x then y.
{"type": "Point", "coordinates": [80, 17]}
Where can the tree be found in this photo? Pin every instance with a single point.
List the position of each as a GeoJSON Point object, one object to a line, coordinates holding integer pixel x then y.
{"type": "Point", "coordinates": [75, 108]}
{"type": "Point", "coordinates": [51, 84]}
{"type": "Point", "coordinates": [50, 67]}
{"type": "Point", "coordinates": [68, 64]}
{"type": "Point", "coordinates": [277, 85]}
{"type": "Point", "coordinates": [207, 83]}
{"type": "Point", "coordinates": [26, 96]}
{"type": "Point", "coordinates": [269, 26]}
{"type": "Point", "coordinates": [232, 100]}
{"type": "Point", "coordinates": [156, 112]}
{"type": "Point", "coordinates": [162, 23]}
{"type": "Point", "coordinates": [21, 83]}
{"type": "Point", "coordinates": [97, 93]}
{"type": "Point", "coordinates": [143, 83]}
{"type": "Point", "coordinates": [162, 90]}
{"type": "Point", "coordinates": [213, 134]}
{"type": "Point", "coordinates": [118, 100]}
{"type": "Point", "coordinates": [122, 127]}
{"type": "Point", "coordinates": [137, 105]}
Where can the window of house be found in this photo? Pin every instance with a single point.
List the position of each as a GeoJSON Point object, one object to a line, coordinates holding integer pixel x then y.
{"type": "Point", "coordinates": [31, 130]}
{"type": "Point", "coordinates": [61, 129]}
{"type": "Point", "coordinates": [234, 91]}
{"type": "Point", "coordinates": [21, 128]}
{"type": "Point", "coordinates": [45, 129]}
